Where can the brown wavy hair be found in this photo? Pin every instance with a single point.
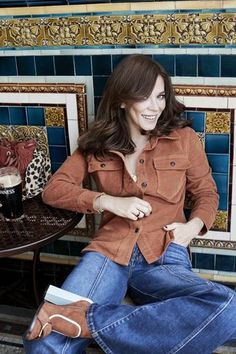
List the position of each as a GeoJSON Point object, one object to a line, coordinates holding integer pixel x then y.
{"type": "Point", "coordinates": [132, 80]}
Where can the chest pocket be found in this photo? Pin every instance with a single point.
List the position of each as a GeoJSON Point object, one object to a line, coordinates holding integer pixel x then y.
{"type": "Point", "coordinates": [171, 176]}
{"type": "Point", "coordinates": [107, 175]}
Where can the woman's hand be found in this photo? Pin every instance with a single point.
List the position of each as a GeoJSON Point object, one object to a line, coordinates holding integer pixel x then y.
{"type": "Point", "coordinates": [132, 208]}
{"type": "Point", "coordinates": [185, 232]}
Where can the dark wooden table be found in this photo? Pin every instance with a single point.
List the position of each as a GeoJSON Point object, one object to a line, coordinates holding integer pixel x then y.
{"type": "Point", "coordinates": [40, 226]}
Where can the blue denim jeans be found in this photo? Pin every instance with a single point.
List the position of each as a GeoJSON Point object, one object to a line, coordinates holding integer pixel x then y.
{"type": "Point", "coordinates": [175, 311]}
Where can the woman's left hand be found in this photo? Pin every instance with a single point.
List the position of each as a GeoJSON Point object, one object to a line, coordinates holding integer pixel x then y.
{"type": "Point", "coordinates": [185, 232]}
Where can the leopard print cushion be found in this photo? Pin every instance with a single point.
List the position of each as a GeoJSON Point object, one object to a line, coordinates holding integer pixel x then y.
{"type": "Point", "coordinates": [37, 175]}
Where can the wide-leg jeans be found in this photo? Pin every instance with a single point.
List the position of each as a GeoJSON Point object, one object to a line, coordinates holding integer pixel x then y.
{"type": "Point", "coordinates": [176, 311]}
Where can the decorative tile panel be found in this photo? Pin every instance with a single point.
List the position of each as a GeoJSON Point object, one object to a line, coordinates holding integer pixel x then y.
{"type": "Point", "coordinates": [55, 124]}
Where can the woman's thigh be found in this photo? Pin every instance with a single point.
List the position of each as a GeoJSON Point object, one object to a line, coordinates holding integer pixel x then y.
{"type": "Point", "coordinates": [167, 278]}
{"type": "Point", "coordinates": [98, 278]}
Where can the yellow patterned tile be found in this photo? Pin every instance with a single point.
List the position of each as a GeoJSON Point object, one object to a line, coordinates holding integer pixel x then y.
{"type": "Point", "coordinates": [106, 30]}
{"type": "Point", "coordinates": [55, 116]}
{"type": "Point", "coordinates": [24, 32]}
{"type": "Point", "coordinates": [227, 29]}
{"type": "Point", "coordinates": [64, 31]}
{"type": "Point", "coordinates": [194, 28]}
{"type": "Point", "coordinates": [221, 221]}
{"type": "Point", "coordinates": [218, 122]}
{"type": "Point", "coordinates": [149, 29]}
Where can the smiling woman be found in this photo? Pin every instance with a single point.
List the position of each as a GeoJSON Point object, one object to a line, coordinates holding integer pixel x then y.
{"type": "Point", "coordinates": [144, 158]}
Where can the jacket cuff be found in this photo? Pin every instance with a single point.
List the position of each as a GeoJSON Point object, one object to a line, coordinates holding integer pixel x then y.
{"type": "Point", "coordinates": [86, 200]}
{"type": "Point", "coordinates": [206, 218]}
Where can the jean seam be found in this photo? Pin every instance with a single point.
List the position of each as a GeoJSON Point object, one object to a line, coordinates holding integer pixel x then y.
{"type": "Point", "coordinates": [204, 324]}
{"type": "Point", "coordinates": [98, 277]}
{"type": "Point", "coordinates": [184, 277]}
{"type": "Point", "coordinates": [94, 333]}
{"type": "Point", "coordinates": [66, 345]}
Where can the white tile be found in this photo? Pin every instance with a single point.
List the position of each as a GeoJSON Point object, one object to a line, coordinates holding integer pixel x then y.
{"type": "Point", "coordinates": [184, 80]}
{"type": "Point", "coordinates": [233, 222]}
{"type": "Point", "coordinates": [71, 107]}
{"type": "Point", "coordinates": [216, 235]}
{"type": "Point", "coordinates": [234, 184]}
{"type": "Point", "coordinates": [206, 102]}
{"type": "Point", "coordinates": [73, 132]}
{"type": "Point", "coordinates": [218, 81]}
{"type": "Point", "coordinates": [232, 103]}
{"type": "Point", "coordinates": [14, 97]}
{"type": "Point", "coordinates": [234, 152]}
{"type": "Point", "coordinates": [57, 98]}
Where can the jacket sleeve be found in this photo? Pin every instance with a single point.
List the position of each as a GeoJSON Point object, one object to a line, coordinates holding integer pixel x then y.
{"type": "Point", "coordinates": [64, 189]}
{"type": "Point", "coordinates": [200, 184]}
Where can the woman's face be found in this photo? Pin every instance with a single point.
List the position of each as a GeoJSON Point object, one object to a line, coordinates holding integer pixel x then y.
{"type": "Point", "coordinates": [145, 114]}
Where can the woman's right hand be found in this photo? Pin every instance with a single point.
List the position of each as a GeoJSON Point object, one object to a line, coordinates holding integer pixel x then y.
{"type": "Point", "coordinates": [132, 208]}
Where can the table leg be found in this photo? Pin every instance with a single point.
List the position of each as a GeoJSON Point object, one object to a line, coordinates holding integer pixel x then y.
{"type": "Point", "coordinates": [36, 260]}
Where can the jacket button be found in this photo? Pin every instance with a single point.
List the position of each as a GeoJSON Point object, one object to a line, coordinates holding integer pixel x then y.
{"type": "Point", "coordinates": [172, 163]}
{"type": "Point", "coordinates": [141, 161]}
{"type": "Point", "coordinates": [144, 184]}
{"type": "Point", "coordinates": [136, 230]}
{"type": "Point", "coordinates": [103, 165]}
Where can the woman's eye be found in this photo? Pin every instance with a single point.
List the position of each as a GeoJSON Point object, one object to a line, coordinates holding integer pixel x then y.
{"type": "Point", "coordinates": [161, 97]}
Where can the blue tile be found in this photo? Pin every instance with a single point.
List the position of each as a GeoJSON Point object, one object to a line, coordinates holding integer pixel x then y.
{"type": "Point", "coordinates": [55, 166]}
{"type": "Point", "coordinates": [116, 59]}
{"type": "Point", "coordinates": [64, 65]}
{"type": "Point", "coordinates": [167, 61]}
{"type": "Point", "coordinates": [225, 263]}
{"type": "Point", "coordinates": [35, 115]}
{"type": "Point", "coordinates": [222, 181]}
{"type": "Point", "coordinates": [186, 65]}
{"type": "Point", "coordinates": [217, 143]}
{"type": "Point", "coordinates": [44, 65]}
{"type": "Point", "coordinates": [209, 65]}
{"type": "Point", "coordinates": [197, 119]}
{"type": "Point", "coordinates": [56, 136]}
{"type": "Point", "coordinates": [83, 65]}
{"type": "Point", "coordinates": [193, 259]}
{"type": "Point", "coordinates": [223, 201]}
{"type": "Point", "coordinates": [58, 154]}
{"type": "Point", "coordinates": [99, 83]}
{"type": "Point", "coordinates": [228, 65]}
{"type": "Point", "coordinates": [205, 261]}
{"type": "Point", "coordinates": [4, 116]}
{"type": "Point", "coordinates": [7, 66]}
{"type": "Point", "coordinates": [18, 115]}
{"type": "Point", "coordinates": [25, 65]}
{"type": "Point", "coordinates": [101, 64]}
{"type": "Point", "coordinates": [218, 162]}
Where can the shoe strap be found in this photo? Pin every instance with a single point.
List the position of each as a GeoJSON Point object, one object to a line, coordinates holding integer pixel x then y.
{"type": "Point", "coordinates": [68, 320]}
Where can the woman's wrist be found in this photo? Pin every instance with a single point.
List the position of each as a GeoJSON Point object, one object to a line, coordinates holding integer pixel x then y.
{"type": "Point", "coordinates": [197, 224]}
{"type": "Point", "coordinates": [97, 204]}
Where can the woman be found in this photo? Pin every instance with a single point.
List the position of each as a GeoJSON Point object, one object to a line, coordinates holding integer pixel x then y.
{"type": "Point", "coordinates": [144, 159]}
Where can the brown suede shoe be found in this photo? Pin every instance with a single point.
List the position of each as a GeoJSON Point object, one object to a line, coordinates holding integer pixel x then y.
{"type": "Point", "coordinates": [68, 320]}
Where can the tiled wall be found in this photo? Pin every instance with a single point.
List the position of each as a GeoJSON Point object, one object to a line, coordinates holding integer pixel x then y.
{"type": "Point", "coordinates": [206, 61]}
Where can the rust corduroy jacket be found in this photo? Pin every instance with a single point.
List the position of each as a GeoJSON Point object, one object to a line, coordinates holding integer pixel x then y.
{"type": "Point", "coordinates": [167, 168]}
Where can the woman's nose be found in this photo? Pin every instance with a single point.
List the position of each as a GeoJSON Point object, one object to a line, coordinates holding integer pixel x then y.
{"type": "Point", "coordinates": [155, 104]}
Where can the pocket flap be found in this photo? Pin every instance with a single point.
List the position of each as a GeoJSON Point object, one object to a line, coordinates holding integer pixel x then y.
{"type": "Point", "coordinates": [174, 162]}
{"type": "Point", "coordinates": [106, 165]}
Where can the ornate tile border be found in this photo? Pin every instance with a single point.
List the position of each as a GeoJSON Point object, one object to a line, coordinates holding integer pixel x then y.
{"type": "Point", "coordinates": [144, 29]}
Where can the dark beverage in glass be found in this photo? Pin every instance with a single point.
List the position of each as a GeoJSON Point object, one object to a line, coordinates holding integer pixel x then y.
{"type": "Point", "coordinates": [11, 193]}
